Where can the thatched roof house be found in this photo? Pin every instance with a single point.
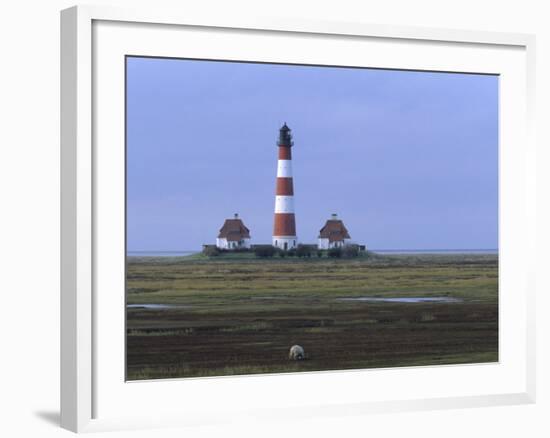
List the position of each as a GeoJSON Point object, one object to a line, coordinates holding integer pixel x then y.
{"type": "Point", "coordinates": [233, 234]}
{"type": "Point", "coordinates": [333, 234]}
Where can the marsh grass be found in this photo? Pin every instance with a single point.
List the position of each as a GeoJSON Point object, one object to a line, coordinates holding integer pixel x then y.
{"type": "Point", "coordinates": [242, 314]}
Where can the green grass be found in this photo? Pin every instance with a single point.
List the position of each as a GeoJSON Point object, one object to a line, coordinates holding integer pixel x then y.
{"type": "Point", "coordinates": [242, 314]}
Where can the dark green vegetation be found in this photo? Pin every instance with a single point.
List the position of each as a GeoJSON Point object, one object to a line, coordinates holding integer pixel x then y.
{"type": "Point", "coordinates": [269, 251]}
{"type": "Point", "coordinates": [239, 314]}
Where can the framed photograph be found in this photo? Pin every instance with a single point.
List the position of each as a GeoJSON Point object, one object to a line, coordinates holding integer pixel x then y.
{"type": "Point", "coordinates": [276, 218]}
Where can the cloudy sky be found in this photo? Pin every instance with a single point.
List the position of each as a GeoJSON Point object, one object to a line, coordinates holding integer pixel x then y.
{"type": "Point", "coordinates": [409, 160]}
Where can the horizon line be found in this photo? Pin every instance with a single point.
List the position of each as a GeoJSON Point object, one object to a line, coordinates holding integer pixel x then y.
{"type": "Point", "coordinates": [374, 249]}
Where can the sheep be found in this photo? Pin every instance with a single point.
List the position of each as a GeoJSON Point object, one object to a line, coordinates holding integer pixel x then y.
{"type": "Point", "coordinates": [296, 353]}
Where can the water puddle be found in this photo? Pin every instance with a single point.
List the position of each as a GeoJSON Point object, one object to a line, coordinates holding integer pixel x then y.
{"type": "Point", "coordinates": [403, 299]}
{"type": "Point", "coordinates": [156, 306]}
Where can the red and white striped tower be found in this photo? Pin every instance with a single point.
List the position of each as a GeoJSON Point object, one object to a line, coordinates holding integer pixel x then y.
{"type": "Point", "coordinates": [284, 227]}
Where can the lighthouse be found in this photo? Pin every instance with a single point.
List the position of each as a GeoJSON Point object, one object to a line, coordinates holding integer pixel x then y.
{"type": "Point", "coordinates": [284, 227]}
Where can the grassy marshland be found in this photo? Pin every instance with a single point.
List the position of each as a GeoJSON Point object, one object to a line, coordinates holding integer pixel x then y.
{"type": "Point", "coordinates": [240, 315]}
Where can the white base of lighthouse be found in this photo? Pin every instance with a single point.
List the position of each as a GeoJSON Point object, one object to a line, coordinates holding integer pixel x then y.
{"type": "Point", "coordinates": [285, 242]}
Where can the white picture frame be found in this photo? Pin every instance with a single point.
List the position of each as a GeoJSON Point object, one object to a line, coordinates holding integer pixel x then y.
{"type": "Point", "coordinates": [86, 377]}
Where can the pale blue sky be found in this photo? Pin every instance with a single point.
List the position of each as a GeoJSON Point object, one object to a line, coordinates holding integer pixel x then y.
{"type": "Point", "coordinates": [409, 160]}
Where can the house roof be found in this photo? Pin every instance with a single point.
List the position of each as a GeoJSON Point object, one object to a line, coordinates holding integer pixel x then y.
{"type": "Point", "coordinates": [334, 230]}
{"type": "Point", "coordinates": [234, 230]}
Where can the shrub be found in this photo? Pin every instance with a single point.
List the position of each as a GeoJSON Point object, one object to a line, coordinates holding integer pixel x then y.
{"type": "Point", "coordinates": [350, 251]}
{"type": "Point", "coordinates": [335, 252]}
{"type": "Point", "coordinates": [211, 251]}
{"type": "Point", "coordinates": [303, 251]}
{"type": "Point", "coordinates": [319, 253]}
{"type": "Point", "coordinates": [240, 249]}
{"type": "Point", "coordinates": [264, 251]}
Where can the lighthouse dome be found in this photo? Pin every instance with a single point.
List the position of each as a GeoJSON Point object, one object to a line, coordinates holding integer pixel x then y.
{"type": "Point", "coordinates": [285, 138]}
